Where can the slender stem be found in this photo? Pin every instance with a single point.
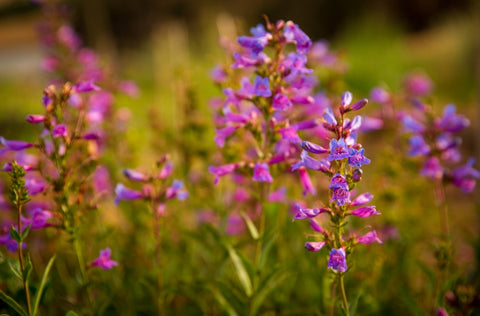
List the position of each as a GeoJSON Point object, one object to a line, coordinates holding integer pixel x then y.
{"type": "Point", "coordinates": [332, 298]}
{"type": "Point", "coordinates": [344, 296]}
{"type": "Point", "coordinates": [81, 263]}
{"type": "Point", "coordinates": [21, 260]}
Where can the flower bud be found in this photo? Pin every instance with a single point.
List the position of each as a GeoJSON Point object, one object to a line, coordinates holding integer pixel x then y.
{"type": "Point", "coordinates": [357, 174]}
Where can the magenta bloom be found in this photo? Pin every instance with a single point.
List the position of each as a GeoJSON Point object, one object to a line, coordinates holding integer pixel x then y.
{"type": "Point", "coordinates": [306, 182]}
{"type": "Point", "coordinates": [166, 171]}
{"type": "Point", "coordinates": [39, 219]}
{"type": "Point", "coordinates": [262, 87]}
{"type": "Point", "coordinates": [222, 134]}
{"type": "Point", "coordinates": [103, 261]}
{"type": "Point", "coordinates": [85, 86]}
{"type": "Point", "coordinates": [281, 102]}
{"type": "Point", "coordinates": [452, 122]}
{"type": "Point", "coordinates": [261, 173]}
{"type": "Point", "coordinates": [379, 95]}
{"type": "Point", "coordinates": [315, 226]}
{"type": "Point", "coordinates": [338, 150]}
{"type": "Point", "coordinates": [368, 238]}
{"type": "Point", "coordinates": [313, 148]}
{"type": "Point", "coordinates": [293, 33]}
{"type": "Point", "coordinates": [362, 199]}
{"type": "Point", "coordinates": [311, 163]}
{"type": "Point", "coordinates": [365, 211]}
{"type": "Point", "coordinates": [303, 213]}
{"type": "Point", "coordinates": [124, 193]}
{"type": "Point", "coordinates": [135, 175]}
{"type": "Point", "coordinates": [418, 84]}
{"type": "Point", "coordinates": [221, 171]}
{"type": "Point", "coordinates": [13, 145]}
{"type": "Point", "coordinates": [59, 130]}
{"type": "Point", "coordinates": [337, 260]}
{"type": "Point", "coordinates": [341, 196]}
{"type": "Point", "coordinates": [35, 118]}
{"type": "Point", "coordinates": [235, 225]}
{"type": "Point", "coordinates": [176, 190]}
{"type": "Point", "coordinates": [314, 245]}
{"type": "Point", "coordinates": [465, 176]}
{"type": "Point", "coordinates": [338, 181]}
{"type": "Point", "coordinates": [357, 158]}
{"type": "Point", "coordinates": [432, 168]}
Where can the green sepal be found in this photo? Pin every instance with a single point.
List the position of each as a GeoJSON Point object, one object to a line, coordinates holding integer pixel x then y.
{"type": "Point", "coordinates": [14, 234]}
{"type": "Point", "coordinates": [25, 232]}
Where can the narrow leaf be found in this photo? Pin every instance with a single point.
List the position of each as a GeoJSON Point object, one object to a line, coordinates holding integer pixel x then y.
{"type": "Point", "coordinates": [267, 285]}
{"type": "Point", "coordinates": [42, 286]}
{"type": "Point", "coordinates": [14, 234]}
{"type": "Point", "coordinates": [28, 268]}
{"type": "Point", "coordinates": [12, 303]}
{"type": "Point", "coordinates": [25, 232]}
{"type": "Point", "coordinates": [222, 301]}
{"type": "Point", "coordinates": [15, 269]}
{"type": "Point", "coordinates": [252, 229]}
{"type": "Point", "coordinates": [241, 271]}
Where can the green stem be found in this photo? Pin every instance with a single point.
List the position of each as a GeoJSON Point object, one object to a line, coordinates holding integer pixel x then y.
{"type": "Point", "coordinates": [21, 260]}
{"type": "Point", "coordinates": [81, 263]}
{"type": "Point", "coordinates": [344, 296]}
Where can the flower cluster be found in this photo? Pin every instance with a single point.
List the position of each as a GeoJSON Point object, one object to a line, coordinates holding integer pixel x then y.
{"type": "Point", "coordinates": [342, 163]}
{"type": "Point", "coordinates": [154, 187]}
{"type": "Point", "coordinates": [273, 82]}
{"type": "Point", "coordinates": [435, 140]}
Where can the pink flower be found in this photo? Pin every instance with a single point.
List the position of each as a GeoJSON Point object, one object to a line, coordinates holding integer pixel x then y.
{"type": "Point", "coordinates": [103, 261]}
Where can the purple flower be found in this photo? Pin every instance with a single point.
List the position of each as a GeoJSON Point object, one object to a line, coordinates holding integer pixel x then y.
{"type": "Point", "coordinates": [441, 312]}
{"type": "Point", "coordinates": [465, 176]}
{"type": "Point", "coordinates": [341, 196]}
{"type": "Point", "coordinates": [452, 122]}
{"type": "Point", "coordinates": [176, 190]}
{"type": "Point", "coordinates": [279, 195]}
{"type": "Point", "coordinates": [13, 145]}
{"type": "Point", "coordinates": [337, 260]}
{"type": "Point", "coordinates": [290, 134]}
{"type": "Point", "coordinates": [358, 105]}
{"type": "Point", "coordinates": [329, 117]}
{"type": "Point", "coordinates": [311, 163]}
{"type": "Point", "coordinates": [314, 245]}
{"type": "Point", "coordinates": [418, 84]}
{"type": "Point", "coordinates": [85, 86]}
{"type": "Point", "coordinates": [124, 193]}
{"type": "Point", "coordinates": [379, 95]}
{"type": "Point", "coordinates": [68, 37]}
{"type": "Point", "coordinates": [303, 213]}
{"type": "Point", "coordinates": [261, 173]}
{"type": "Point", "coordinates": [306, 182]}
{"type": "Point", "coordinates": [129, 88]}
{"type": "Point", "coordinates": [368, 238]}
{"type": "Point", "coordinates": [338, 150]}
{"type": "Point", "coordinates": [412, 125]}
{"type": "Point", "coordinates": [222, 134]}
{"type": "Point", "coordinates": [262, 87]}
{"type": "Point", "coordinates": [418, 146]}
{"type": "Point", "coordinates": [235, 225]}
{"type": "Point", "coordinates": [166, 170]}
{"type": "Point", "coordinates": [338, 181]}
{"type": "Point", "coordinates": [59, 130]}
{"type": "Point", "coordinates": [313, 148]}
{"type": "Point", "coordinates": [9, 242]}
{"type": "Point", "coordinates": [293, 33]}
{"type": "Point", "coordinates": [362, 199]}
{"type": "Point", "coordinates": [221, 171]}
{"type": "Point", "coordinates": [432, 168]}
{"type": "Point", "coordinates": [353, 125]}
{"type": "Point", "coordinates": [281, 102]}
{"type": "Point", "coordinates": [35, 185]}
{"type": "Point", "coordinates": [103, 261]}
{"type": "Point", "coordinates": [135, 175]}
{"type": "Point", "coordinates": [365, 211]}
{"type": "Point", "coordinates": [315, 225]}
{"type": "Point", "coordinates": [346, 98]}
{"type": "Point", "coordinates": [39, 219]}
{"type": "Point", "coordinates": [255, 43]}
{"type": "Point", "coordinates": [357, 158]}
{"type": "Point", "coordinates": [35, 118]}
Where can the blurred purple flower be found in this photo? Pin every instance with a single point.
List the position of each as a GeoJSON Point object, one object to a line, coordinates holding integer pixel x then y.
{"type": "Point", "coordinates": [303, 213]}
{"type": "Point", "coordinates": [176, 190]}
{"type": "Point", "coordinates": [362, 199]}
{"type": "Point", "coordinates": [418, 84]}
{"type": "Point", "coordinates": [261, 173]}
{"type": "Point", "coordinates": [337, 260]}
{"type": "Point", "coordinates": [418, 146]}
{"type": "Point", "coordinates": [306, 182]}
{"type": "Point", "coordinates": [432, 168]}
{"type": "Point", "coordinates": [13, 145]}
{"type": "Point", "coordinates": [281, 102]}
{"type": "Point", "coordinates": [357, 158]}
{"type": "Point", "coordinates": [35, 118]}
{"type": "Point", "coordinates": [293, 33]}
{"type": "Point", "coordinates": [85, 86]}
{"type": "Point", "coordinates": [104, 261]}
{"type": "Point", "coordinates": [314, 245]}
{"type": "Point", "coordinates": [365, 211]}
{"type": "Point", "coordinates": [59, 130]}
{"type": "Point", "coordinates": [338, 150]}
{"type": "Point", "coordinates": [313, 148]}
{"type": "Point", "coordinates": [465, 176]}
{"type": "Point", "coordinates": [222, 134]}
{"type": "Point", "coordinates": [221, 171]}
{"type": "Point", "coordinates": [341, 196]}
{"type": "Point", "coordinates": [262, 87]}
{"type": "Point", "coordinates": [368, 238]}
{"type": "Point", "coordinates": [39, 219]}
{"type": "Point", "coordinates": [124, 193]}
{"type": "Point", "coordinates": [379, 95]}
{"type": "Point", "coordinates": [315, 225]}
{"type": "Point", "coordinates": [452, 122]}
{"type": "Point", "coordinates": [235, 225]}
{"type": "Point", "coordinates": [135, 175]}
{"type": "Point", "coordinates": [338, 181]}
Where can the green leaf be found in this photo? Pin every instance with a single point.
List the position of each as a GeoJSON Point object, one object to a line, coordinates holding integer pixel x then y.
{"type": "Point", "coordinates": [266, 250]}
{"type": "Point", "coordinates": [252, 229]}
{"type": "Point", "coordinates": [12, 303]}
{"type": "Point", "coordinates": [241, 271]}
{"type": "Point", "coordinates": [71, 313]}
{"type": "Point", "coordinates": [42, 286]}
{"type": "Point", "coordinates": [222, 301]}
{"type": "Point", "coordinates": [268, 284]}
{"type": "Point", "coordinates": [14, 234]}
{"type": "Point", "coordinates": [28, 268]}
{"type": "Point", "coordinates": [25, 232]}
{"type": "Point", "coordinates": [353, 304]}
{"type": "Point", "coordinates": [15, 269]}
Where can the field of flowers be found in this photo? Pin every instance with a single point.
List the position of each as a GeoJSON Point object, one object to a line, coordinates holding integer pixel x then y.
{"type": "Point", "coordinates": [269, 184]}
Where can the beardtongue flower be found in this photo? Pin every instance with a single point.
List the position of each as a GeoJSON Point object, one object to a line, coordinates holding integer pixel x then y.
{"type": "Point", "coordinates": [337, 260]}
{"type": "Point", "coordinates": [104, 261]}
{"type": "Point", "coordinates": [124, 193]}
{"type": "Point", "coordinates": [368, 238]}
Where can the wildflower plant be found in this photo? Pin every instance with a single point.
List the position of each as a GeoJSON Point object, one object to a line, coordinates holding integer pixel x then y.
{"type": "Point", "coordinates": [342, 163]}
